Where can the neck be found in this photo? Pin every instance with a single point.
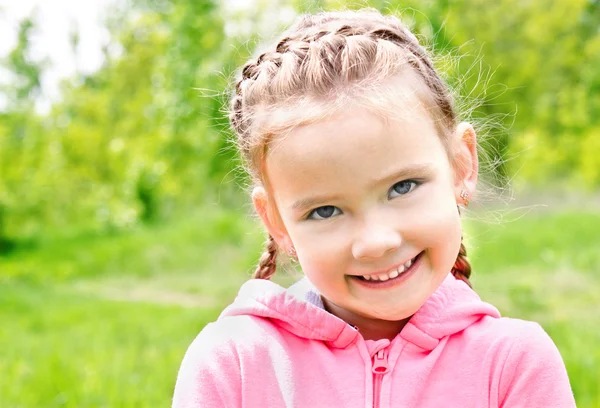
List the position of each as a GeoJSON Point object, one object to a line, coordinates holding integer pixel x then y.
{"type": "Point", "coordinates": [369, 328]}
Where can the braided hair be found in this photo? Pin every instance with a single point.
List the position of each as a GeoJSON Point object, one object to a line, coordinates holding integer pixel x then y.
{"type": "Point", "coordinates": [319, 57]}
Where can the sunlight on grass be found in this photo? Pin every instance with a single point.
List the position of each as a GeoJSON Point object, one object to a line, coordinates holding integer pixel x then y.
{"type": "Point", "coordinates": [60, 349]}
{"type": "Point", "coordinates": [104, 321]}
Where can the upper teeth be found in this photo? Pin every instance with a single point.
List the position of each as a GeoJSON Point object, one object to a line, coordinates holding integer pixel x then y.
{"type": "Point", "coordinates": [390, 274]}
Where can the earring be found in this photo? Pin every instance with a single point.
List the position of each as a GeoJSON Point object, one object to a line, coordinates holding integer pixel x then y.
{"type": "Point", "coordinates": [464, 194]}
{"type": "Point", "coordinates": [292, 253]}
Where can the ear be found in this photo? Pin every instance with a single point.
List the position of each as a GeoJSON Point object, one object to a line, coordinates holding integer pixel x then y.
{"type": "Point", "coordinates": [465, 159]}
{"type": "Point", "coordinates": [267, 211]}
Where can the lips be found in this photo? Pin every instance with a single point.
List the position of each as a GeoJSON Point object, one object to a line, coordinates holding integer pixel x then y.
{"type": "Point", "coordinates": [391, 274]}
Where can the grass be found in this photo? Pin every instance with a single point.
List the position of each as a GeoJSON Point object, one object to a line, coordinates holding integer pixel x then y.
{"type": "Point", "coordinates": [103, 321]}
{"type": "Point", "coordinates": [61, 349]}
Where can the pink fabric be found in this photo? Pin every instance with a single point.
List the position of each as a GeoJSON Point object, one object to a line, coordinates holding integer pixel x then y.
{"type": "Point", "coordinates": [273, 348]}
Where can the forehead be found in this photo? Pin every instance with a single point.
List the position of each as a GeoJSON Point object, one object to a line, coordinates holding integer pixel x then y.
{"type": "Point", "coordinates": [351, 148]}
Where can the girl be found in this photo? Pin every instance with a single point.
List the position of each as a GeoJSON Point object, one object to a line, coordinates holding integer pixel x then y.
{"type": "Point", "coordinates": [360, 166]}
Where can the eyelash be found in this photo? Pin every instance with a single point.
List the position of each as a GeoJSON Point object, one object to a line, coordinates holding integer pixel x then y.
{"type": "Point", "coordinates": [414, 184]}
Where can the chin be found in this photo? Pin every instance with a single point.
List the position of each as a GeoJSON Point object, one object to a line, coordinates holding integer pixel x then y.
{"type": "Point", "coordinates": [394, 314]}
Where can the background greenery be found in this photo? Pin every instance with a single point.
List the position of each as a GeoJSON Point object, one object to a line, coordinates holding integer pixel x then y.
{"type": "Point", "coordinates": [124, 229]}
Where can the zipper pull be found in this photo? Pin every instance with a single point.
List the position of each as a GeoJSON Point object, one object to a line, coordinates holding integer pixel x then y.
{"type": "Point", "coordinates": [380, 363]}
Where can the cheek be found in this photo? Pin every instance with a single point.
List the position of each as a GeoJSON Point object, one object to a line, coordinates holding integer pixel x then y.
{"type": "Point", "coordinates": [446, 238]}
{"type": "Point", "coordinates": [324, 274]}
{"type": "Point", "coordinates": [318, 252]}
{"type": "Point", "coordinates": [436, 225]}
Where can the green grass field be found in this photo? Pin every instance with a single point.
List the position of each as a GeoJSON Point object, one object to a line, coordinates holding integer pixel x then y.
{"type": "Point", "coordinates": [103, 321]}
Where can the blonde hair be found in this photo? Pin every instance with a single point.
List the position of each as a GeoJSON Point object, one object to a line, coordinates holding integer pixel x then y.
{"type": "Point", "coordinates": [318, 61]}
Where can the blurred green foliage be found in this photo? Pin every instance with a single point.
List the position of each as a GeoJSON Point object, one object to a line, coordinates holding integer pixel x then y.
{"type": "Point", "coordinates": [130, 143]}
{"type": "Point", "coordinates": [146, 136]}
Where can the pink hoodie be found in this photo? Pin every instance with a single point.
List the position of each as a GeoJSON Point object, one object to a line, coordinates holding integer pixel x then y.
{"type": "Point", "coordinates": [277, 348]}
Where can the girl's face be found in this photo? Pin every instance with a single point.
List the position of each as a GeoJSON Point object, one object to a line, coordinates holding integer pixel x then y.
{"type": "Point", "coordinates": [370, 208]}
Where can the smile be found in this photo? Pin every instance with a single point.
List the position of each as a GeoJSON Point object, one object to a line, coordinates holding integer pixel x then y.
{"type": "Point", "coordinates": [392, 274]}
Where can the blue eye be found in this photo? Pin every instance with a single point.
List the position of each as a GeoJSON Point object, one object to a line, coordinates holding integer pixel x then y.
{"type": "Point", "coordinates": [323, 213]}
{"type": "Point", "coordinates": [402, 188]}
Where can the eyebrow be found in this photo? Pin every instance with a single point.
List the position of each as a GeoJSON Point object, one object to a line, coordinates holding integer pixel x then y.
{"type": "Point", "coordinates": [313, 201]}
{"type": "Point", "coordinates": [404, 173]}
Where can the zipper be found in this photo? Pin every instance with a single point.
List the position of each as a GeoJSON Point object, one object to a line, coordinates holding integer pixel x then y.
{"type": "Point", "coordinates": [380, 368]}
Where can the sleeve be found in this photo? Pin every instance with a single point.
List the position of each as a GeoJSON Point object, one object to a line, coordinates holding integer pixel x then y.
{"type": "Point", "coordinates": [209, 376]}
{"type": "Point", "coordinates": [534, 374]}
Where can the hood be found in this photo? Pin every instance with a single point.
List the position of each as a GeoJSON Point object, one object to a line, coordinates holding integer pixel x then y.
{"type": "Point", "coordinates": [450, 309]}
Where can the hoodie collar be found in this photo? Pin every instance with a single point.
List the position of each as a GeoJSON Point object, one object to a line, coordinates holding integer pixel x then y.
{"type": "Point", "coordinates": [450, 309]}
{"type": "Point", "coordinates": [298, 310]}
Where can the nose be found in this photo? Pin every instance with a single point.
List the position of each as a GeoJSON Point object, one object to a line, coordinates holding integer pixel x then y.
{"type": "Point", "coordinates": [376, 239]}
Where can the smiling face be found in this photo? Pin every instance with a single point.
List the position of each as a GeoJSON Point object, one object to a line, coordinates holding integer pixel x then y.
{"type": "Point", "coordinates": [361, 199]}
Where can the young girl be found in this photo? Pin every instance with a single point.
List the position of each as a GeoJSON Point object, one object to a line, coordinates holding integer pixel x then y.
{"type": "Point", "coordinates": [360, 167]}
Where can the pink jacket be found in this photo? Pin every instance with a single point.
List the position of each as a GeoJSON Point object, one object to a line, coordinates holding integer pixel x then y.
{"type": "Point", "coordinates": [277, 348]}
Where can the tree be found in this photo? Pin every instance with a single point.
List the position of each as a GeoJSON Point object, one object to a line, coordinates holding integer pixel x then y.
{"type": "Point", "coordinates": [20, 141]}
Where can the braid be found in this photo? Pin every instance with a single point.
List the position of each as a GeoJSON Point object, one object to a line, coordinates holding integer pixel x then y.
{"type": "Point", "coordinates": [462, 267]}
{"type": "Point", "coordinates": [320, 54]}
{"type": "Point", "coordinates": [266, 266]}
{"type": "Point", "coordinates": [418, 59]}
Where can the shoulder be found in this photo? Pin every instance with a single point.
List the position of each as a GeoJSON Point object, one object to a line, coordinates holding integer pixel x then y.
{"type": "Point", "coordinates": [230, 335]}
{"type": "Point", "coordinates": [534, 373]}
{"type": "Point", "coordinates": [503, 343]}
{"type": "Point", "coordinates": [233, 341]}
{"type": "Point", "coordinates": [211, 351]}
{"type": "Point", "coordinates": [526, 364]}
{"type": "Point", "coordinates": [211, 372]}
{"type": "Point", "coordinates": [510, 339]}
{"type": "Point", "coordinates": [527, 347]}
{"type": "Point", "coordinates": [511, 329]}
{"type": "Point", "coordinates": [516, 334]}
{"type": "Point", "coordinates": [525, 334]}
